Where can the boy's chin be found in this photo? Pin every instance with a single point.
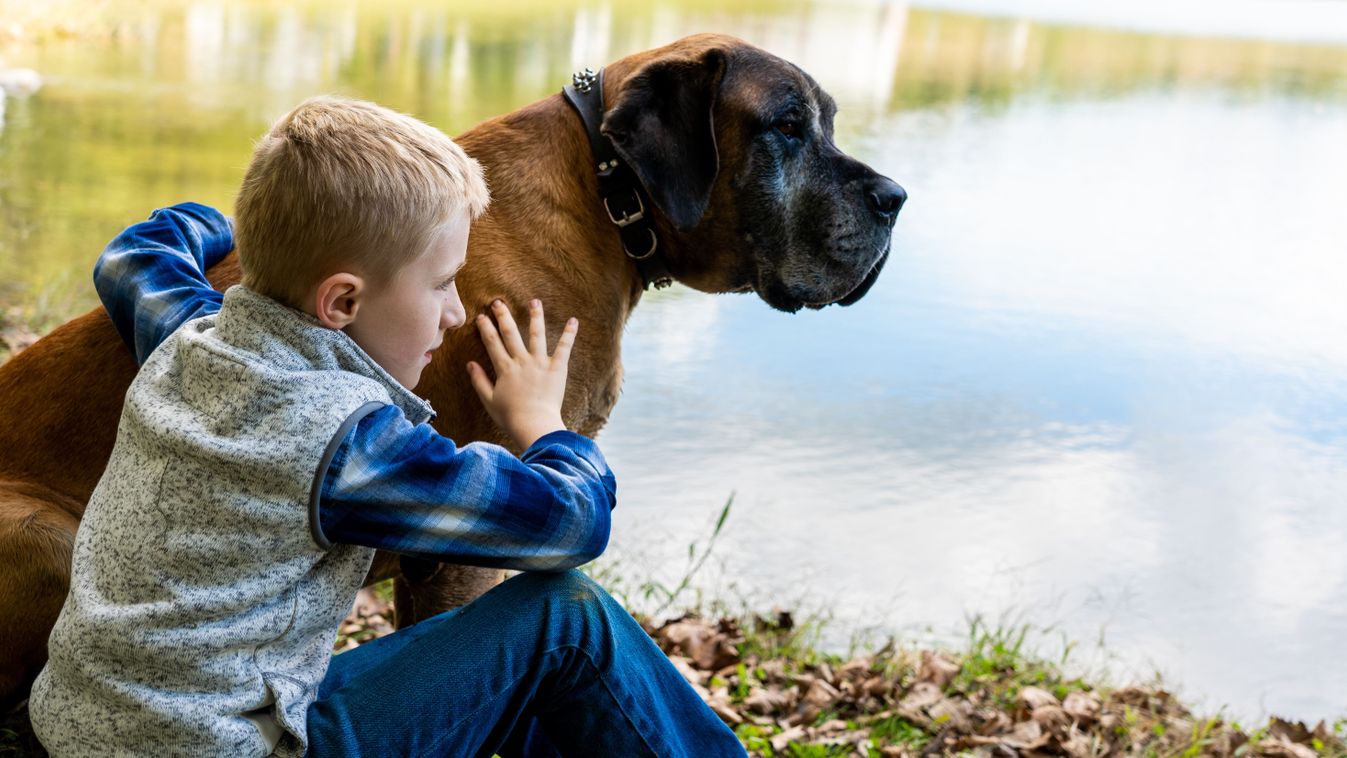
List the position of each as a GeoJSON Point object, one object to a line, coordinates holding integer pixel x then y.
{"type": "Point", "coordinates": [408, 381]}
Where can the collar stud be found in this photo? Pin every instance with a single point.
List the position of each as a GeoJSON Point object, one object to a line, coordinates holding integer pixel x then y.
{"type": "Point", "coordinates": [584, 80]}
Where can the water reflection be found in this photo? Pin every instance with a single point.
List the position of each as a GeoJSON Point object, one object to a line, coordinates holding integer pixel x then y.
{"type": "Point", "coordinates": [1101, 382]}
{"type": "Point", "coordinates": [159, 102]}
{"type": "Point", "coordinates": [935, 490]}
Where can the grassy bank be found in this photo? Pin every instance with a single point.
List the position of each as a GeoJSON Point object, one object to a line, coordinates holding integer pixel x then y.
{"type": "Point", "coordinates": [993, 697]}
{"type": "Point", "coordinates": [783, 696]}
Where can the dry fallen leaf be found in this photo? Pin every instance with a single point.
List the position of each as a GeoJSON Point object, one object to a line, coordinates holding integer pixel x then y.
{"type": "Point", "coordinates": [829, 727]}
{"type": "Point", "coordinates": [994, 722]}
{"type": "Point", "coordinates": [821, 694]}
{"type": "Point", "coordinates": [689, 673]}
{"type": "Point", "coordinates": [877, 686]}
{"type": "Point", "coordinates": [773, 669]}
{"type": "Point", "coordinates": [769, 700]}
{"type": "Point", "coordinates": [806, 715]}
{"type": "Point", "coordinates": [922, 695]}
{"type": "Point", "coordinates": [826, 672]}
{"type": "Point", "coordinates": [780, 741]}
{"type": "Point", "coordinates": [1279, 747]}
{"type": "Point", "coordinates": [1080, 746]}
{"type": "Point", "coordinates": [1290, 731]}
{"type": "Point", "coordinates": [955, 712]}
{"type": "Point", "coordinates": [1027, 735]}
{"type": "Point", "coordinates": [368, 603]}
{"type": "Point", "coordinates": [687, 635]}
{"type": "Point", "coordinates": [1082, 706]}
{"type": "Point", "coordinates": [726, 712]}
{"type": "Point", "coordinates": [1033, 697]}
{"type": "Point", "coordinates": [855, 669]}
{"type": "Point", "coordinates": [937, 668]}
{"type": "Point", "coordinates": [1050, 717]}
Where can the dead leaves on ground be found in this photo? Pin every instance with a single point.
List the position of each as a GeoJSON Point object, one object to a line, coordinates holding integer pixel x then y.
{"type": "Point", "coordinates": [370, 618]}
{"type": "Point", "coordinates": [906, 703]}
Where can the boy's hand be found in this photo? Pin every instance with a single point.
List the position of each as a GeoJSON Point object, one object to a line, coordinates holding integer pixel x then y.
{"type": "Point", "coordinates": [526, 398]}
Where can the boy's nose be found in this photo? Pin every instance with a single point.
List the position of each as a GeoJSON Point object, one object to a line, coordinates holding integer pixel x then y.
{"type": "Point", "coordinates": [454, 316]}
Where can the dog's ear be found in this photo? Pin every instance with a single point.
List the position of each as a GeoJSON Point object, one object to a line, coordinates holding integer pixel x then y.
{"type": "Point", "coordinates": [662, 126]}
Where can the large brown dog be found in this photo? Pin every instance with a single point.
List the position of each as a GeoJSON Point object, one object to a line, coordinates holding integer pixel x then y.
{"type": "Point", "coordinates": [734, 147]}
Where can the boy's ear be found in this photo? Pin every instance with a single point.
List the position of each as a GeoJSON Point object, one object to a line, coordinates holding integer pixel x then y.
{"type": "Point", "coordinates": [336, 300]}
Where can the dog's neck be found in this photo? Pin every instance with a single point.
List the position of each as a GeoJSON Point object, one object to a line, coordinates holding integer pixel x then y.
{"type": "Point", "coordinates": [627, 202]}
{"type": "Point", "coordinates": [538, 162]}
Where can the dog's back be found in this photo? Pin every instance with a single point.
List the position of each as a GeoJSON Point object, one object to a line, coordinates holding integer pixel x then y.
{"type": "Point", "coordinates": [59, 403]}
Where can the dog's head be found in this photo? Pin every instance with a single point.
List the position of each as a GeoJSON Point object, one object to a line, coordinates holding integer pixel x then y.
{"type": "Point", "coordinates": [735, 148]}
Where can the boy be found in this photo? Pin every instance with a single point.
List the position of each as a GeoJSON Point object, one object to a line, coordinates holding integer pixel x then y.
{"type": "Point", "coordinates": [271, 442]}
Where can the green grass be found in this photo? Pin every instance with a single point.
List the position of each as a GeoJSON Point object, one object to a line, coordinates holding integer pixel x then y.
{"type": "Point", "coordinates": [797, 750]}
{"type": "Point", "coordinates": [899, 731]}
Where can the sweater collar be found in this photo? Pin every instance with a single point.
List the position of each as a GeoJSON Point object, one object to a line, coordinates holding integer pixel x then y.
{"type": "Point", "coordinates": [295, 341]}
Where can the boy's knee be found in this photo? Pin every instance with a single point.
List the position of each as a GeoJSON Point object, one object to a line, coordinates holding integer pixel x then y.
{"type": "Point", "coordinates": [568, 603]}
{"type": "Point", "coordinates": [571, 587]}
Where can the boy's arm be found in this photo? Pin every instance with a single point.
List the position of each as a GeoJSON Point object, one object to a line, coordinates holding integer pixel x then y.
{"type": "Point", "coordinates": [152, 279]}
{"type": "Point", "coordinates": [405, 488]}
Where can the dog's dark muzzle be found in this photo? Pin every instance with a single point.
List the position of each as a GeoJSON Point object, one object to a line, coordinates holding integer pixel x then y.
{"type": "Point", "coordinates": [868, 281]}
{"type": "Point", "coordinates": [885, 198]}
{"type": "Point", "coordinates": [860, 289]}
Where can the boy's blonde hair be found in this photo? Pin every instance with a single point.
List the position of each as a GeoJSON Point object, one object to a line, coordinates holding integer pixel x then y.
{"type": "Point", "coordinates": [340, 184]}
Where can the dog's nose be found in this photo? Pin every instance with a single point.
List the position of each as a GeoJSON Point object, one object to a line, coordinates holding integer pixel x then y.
{"type": "Point", "coordinates": [886, 198]}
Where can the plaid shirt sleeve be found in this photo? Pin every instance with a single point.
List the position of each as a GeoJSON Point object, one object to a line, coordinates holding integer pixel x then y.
{"type": "Point", "coordinates": [390, 485]}
{"type": "Point", "coordinates": [402, 487]}
{"type": "Point", "coordinates": [152, 279]}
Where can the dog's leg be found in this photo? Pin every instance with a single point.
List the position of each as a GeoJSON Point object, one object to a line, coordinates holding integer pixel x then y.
{"type": "Point", "coordinates": [385, 567]}
{"type": "Point", "coordinates": [37, 536]}
{"type": "Point", "coordinates": [425, 588]}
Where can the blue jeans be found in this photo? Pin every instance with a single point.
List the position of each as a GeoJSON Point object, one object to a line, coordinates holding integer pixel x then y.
{"type": "Point", "coordinates": [540, 665]}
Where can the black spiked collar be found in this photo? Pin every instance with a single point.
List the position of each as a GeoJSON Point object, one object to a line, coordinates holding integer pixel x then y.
{"type": "Point", "coordinates": [624, 199]}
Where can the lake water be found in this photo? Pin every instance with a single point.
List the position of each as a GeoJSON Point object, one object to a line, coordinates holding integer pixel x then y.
{"type": "Point", "coordinates": [1101, 386]}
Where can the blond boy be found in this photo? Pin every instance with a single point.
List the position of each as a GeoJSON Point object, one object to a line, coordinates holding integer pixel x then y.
{"type": "Point", "coordinates": [271, 442]}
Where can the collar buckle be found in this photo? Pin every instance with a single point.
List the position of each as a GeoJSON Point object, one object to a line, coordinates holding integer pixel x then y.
{"type": "Point", "coordinates": [627, 218]}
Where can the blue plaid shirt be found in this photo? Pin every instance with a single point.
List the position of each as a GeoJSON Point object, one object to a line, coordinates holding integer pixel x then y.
{"type": "Point", "coordinates": [392, 485]}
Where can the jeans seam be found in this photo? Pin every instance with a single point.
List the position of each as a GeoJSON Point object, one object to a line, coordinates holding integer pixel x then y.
{"type": "Point", "coordinates": [602, 679]}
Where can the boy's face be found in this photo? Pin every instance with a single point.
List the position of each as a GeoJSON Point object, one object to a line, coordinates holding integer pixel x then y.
{"type": "Point", "coordinates": [403, 322]}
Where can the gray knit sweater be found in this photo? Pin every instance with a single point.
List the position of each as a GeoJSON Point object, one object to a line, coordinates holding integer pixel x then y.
{"type": "Point", "coordinates": [201, 611]}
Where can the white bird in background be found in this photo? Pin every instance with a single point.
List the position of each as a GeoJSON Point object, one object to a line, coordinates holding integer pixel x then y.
{"type": "Point", "coordinates": [17, 82]}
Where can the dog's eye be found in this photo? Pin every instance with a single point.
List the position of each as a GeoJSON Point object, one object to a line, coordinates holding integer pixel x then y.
{"type": "Point", "coordinates": [789, 129]}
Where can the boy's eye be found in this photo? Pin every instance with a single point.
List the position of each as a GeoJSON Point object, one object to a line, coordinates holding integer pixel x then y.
{"type": "Point", "coordinates": [446, 284]}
